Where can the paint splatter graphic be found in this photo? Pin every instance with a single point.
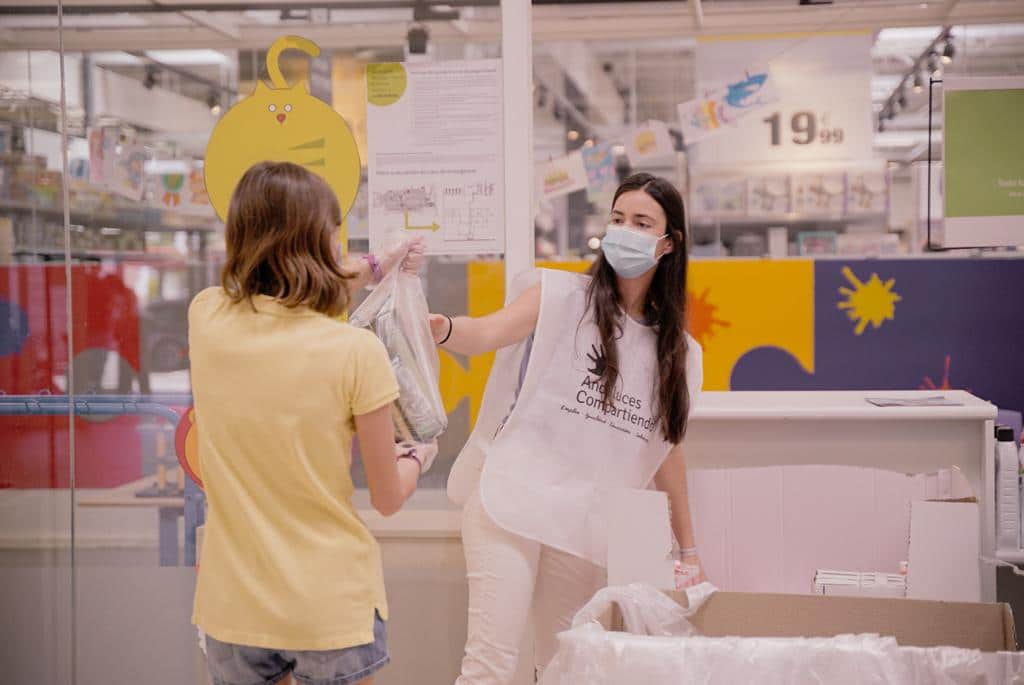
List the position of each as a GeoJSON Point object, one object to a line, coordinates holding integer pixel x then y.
{"type": "Point", "coordinates": [701, 319]}
{"type": "Point", "coordinates": [872, 302]}
{"type": "Point", "coordinates": [929, 384]}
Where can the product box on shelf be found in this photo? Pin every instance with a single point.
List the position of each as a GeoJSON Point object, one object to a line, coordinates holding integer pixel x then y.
{"type": "Point", "coordinates": [854, 584]}
{"type": "Point", "coordinates": [816, 242]}
{"type": "Point", "coordinates": [867, 244]}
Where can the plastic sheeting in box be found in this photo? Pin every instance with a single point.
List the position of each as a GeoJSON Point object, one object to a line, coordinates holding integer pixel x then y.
{"type": "Point", "coordinates": [589, 653]}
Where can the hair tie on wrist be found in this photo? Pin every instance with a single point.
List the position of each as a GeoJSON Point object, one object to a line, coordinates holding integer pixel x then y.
{"type": "Point", "coordinates": [451, 325]}
{"type": "Point", "coordinates": [415, 457]}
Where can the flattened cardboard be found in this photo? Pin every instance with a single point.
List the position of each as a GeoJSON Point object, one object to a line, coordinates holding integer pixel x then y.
{"type": "Point", "coordinates": [914, 623]}
{"type": "Point", "coordinates": [639, 539]}
{"type": "Point", "coordinates": [943, 557]}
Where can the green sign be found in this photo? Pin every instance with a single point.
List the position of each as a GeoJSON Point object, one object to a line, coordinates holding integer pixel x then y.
{"type": "Point", "coordinates": [984, 153]}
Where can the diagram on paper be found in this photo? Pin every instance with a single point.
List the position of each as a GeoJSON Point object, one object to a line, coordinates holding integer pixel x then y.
{"type": "Point", "coordinates": [445, 213]}
{"type": "Point", "coordinates": [469, 212]}
{"type": "Point", "coordinates": [409, 209]}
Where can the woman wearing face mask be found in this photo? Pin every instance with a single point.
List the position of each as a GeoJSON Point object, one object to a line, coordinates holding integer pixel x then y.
{"type": "Point", "coordinates": [591, 389]}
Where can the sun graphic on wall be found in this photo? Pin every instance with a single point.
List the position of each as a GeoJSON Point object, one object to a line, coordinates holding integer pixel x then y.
{"type": "Point", "coordinates": [873, 302]}
{"type": "Point", "coordinates": [700, 317]}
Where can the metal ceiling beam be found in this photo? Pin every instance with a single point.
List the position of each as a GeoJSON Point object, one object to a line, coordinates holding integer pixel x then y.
{"type": "Point", "coordinates": [550, 23]}
{"type": "Point", "coordinates": [563, 103]}
{"type": "Point", "coordinates": [214, 23]}
{"type": "Point", "coordinates": [184, 73]}
{"type": "Point", "coordinates": [228, 6]}
{"type": "Point", "coordinates": [891, 106]}
{"type": "Point", "coordinates": [698, 14]}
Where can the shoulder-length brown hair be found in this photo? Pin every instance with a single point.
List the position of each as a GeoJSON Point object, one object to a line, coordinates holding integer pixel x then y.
{"type": "Point", "coordinates": [280, 240]}
{"type": "Point", "coordinates": [665, 309]}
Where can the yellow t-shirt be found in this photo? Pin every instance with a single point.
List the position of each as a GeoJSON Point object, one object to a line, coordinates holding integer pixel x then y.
{"type": "Point", "coordinates": [286, 562]}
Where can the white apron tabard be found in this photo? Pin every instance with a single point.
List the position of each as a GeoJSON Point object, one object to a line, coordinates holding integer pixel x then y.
{"type": "Point", "coordinates": [547, 473]}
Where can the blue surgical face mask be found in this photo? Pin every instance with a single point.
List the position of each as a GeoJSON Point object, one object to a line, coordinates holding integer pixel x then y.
{"type": "Point", "coordinates": [631, 253]}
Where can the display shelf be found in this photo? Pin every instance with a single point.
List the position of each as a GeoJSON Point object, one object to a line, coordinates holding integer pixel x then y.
{"type": "Point", "coordinates": [790, 221]}
{"type": "Point", "coordinates": [49, 254]}
{"type": "Point", "coordinates": [126, 218]}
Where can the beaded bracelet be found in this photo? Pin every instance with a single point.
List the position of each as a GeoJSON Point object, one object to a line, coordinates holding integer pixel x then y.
{"type": "Point", "coordinates": [375, 273]}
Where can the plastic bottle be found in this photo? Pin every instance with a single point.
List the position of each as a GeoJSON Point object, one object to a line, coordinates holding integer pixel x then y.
{"type": "Point", "coordinates": [1020, 484]}
{"type": "Point", "coordinates": [1007, 490]}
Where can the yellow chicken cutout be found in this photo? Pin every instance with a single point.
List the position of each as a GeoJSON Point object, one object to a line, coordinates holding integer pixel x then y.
{"type": "Point", "coordinates": [282, 123]}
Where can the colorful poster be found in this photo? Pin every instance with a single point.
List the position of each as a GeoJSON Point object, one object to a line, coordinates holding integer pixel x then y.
{"type": "Point", "coordinates": [168, 190]}
{"type": "Point", "coordinates": [725, 105]}
{"type": "Point", "coordinates": [650, 143]}
{"type": "Point", "coordinates": [129, 179]}
{"type": "Point", "coordinates": [983, 153]}
{"type": "Point", "coordinates": [602, 179]}
{"type": "Point", "coordinates": [180, 187]}
{"type": "Point", "coordinates": [195, 199]}
{"type": "Point", "coordinates": [102, 154]}
{"type": "Point", "coordinates": [561, 176]}
{"type": "Point", "coordinates": [435, 155]}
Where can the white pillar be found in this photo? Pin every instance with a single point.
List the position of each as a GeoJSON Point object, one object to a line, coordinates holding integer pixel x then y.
{"type": "Point", "coordinates": [517, 76]}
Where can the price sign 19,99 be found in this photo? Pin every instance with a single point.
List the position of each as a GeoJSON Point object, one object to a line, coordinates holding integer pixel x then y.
{"type": "Point", "coordinates": [805, 128]}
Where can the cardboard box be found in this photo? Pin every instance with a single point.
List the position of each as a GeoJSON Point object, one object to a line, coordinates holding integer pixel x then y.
{"type": "Point", "coordinates": [913, 623]}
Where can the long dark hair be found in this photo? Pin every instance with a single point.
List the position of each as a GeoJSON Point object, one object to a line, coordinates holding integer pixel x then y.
{"type": "Point", "coordinates": [664, 309]}
{"type": "Point", "coordinates": [280, 234]}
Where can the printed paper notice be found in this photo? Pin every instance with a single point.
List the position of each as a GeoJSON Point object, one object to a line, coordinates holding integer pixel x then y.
{"type": "Point", "coordinates": [934, 401]}
{"type": "Point", "coordinates": [435, 165]}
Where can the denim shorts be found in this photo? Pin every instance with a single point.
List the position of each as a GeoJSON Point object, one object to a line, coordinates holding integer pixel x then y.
{"type": "Point", "coordinates": [239, 665]}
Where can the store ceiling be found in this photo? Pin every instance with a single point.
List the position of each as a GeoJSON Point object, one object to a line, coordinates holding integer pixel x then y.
{"type": "Point", "coordinates": [351, 24]}
{"type": "Point", "coordinates": [646, 46]}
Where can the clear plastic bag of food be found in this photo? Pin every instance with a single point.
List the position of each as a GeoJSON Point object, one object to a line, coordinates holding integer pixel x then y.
{"type": "Point", "coordinates": [397, 312]}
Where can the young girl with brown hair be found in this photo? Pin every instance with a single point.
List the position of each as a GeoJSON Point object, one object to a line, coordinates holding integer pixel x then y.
{"type": "Point", "coordinates": [290, 579]}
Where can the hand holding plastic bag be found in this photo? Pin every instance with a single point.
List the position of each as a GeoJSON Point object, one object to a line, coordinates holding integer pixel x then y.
{"type": "Point", "coordinates": [397, 312]}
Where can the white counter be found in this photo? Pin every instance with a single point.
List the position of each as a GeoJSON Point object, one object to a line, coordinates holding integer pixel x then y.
{"type": "Point", "coordinates": [757, 429]}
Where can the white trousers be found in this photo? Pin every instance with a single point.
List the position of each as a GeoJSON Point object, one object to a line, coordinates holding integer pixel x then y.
{"type": "Point", "coordinates": [513, 580]}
